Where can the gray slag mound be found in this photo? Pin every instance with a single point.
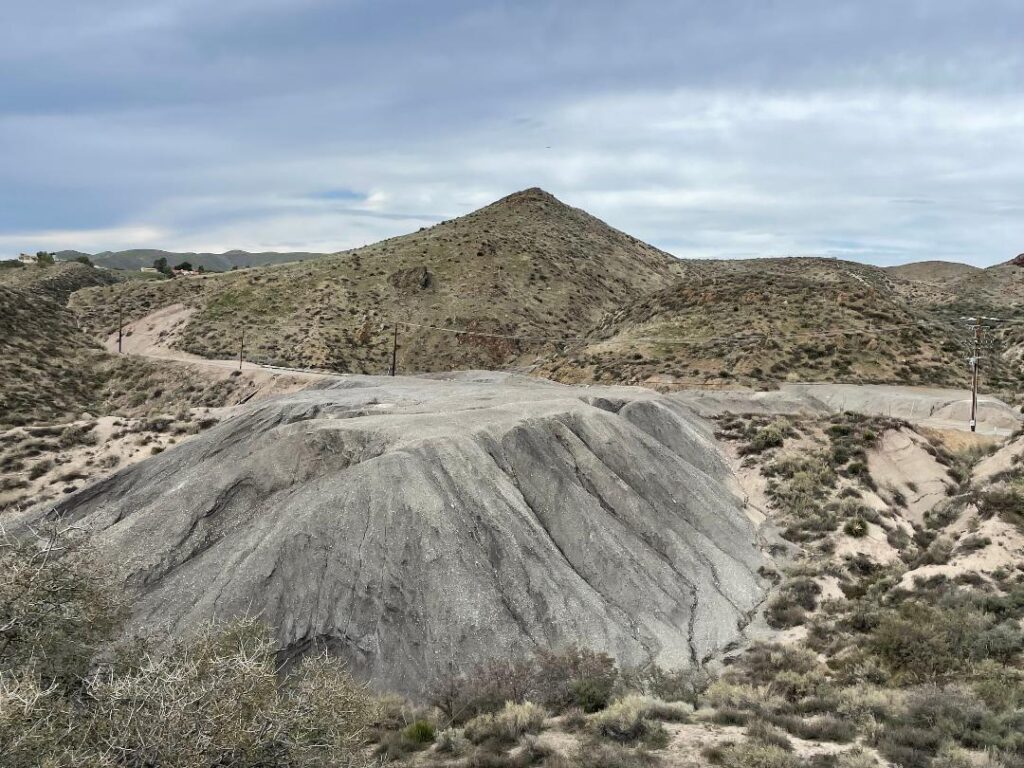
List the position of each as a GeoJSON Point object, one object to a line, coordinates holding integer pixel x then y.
{"type": "Point", "coordinates": [408, 522]}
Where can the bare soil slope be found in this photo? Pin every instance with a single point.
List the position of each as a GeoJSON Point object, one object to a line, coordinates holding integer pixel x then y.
{"type": "Point", "coordinates": [411, 523]}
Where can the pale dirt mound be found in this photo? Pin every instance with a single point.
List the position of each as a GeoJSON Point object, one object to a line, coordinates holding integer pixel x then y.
{"type": "Point", "coordinates": [153, 335]}
{"type": "Point", "coordinates": [999, 546]}
{"type": "Point", "coordinates": [407, 523]}
{"type": "Point", "coordinates": [900, 463]}
{"type": "Point", "coordinates": [1001, 461]}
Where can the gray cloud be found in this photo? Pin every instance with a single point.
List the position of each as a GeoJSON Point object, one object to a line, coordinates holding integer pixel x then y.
{"type": "Point", "coordinates": [879, 131]}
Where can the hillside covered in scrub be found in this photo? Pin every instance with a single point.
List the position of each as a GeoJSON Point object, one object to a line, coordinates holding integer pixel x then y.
{"type": "Point", "coordinates": [535, 284]}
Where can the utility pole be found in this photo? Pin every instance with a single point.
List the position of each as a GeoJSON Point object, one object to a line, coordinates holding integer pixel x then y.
{"type": "Point", "coordinates": [241, 347]}
{"type": "Point", "coordinates": [975, 362]}
{"type": "Point", "coordinates": [120, 325]}
{"type": "Point", "coordinates": [974, 374]}
{"type": "Point", "coordinates": [394, 352]}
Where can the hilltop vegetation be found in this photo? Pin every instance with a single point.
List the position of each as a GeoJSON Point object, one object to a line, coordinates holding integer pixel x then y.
{"type": "Point", "coordinates": [551, 288]}
{"type": "Point", "coordinates": [525, 266]}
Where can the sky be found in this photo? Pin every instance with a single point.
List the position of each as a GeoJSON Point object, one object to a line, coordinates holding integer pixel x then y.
{"type": "Point", "coordinates": [884, 131]}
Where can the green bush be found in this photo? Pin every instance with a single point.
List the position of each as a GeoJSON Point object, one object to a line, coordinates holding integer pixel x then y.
{"type": "Point", "coordinates": [420, 731]}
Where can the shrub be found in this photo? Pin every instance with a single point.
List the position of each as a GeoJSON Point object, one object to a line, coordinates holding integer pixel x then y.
{"type": "Point", "coordinates": [972, 543]}
{"type": "Point", "coordinates": [633, 717]}
{"type": "Point", "coordinates": [751, 754]}
{"type": "Point", "coordinates": [683, 684]}
{"type": "Point", "coordinates": [771, 436]}
{"type": "Point", "coordinates": [574, 677]}
{"type": "Point", "coordinates": [823, 728]}
{"type": "Point", "coordinates": [604, 754]}
{"type": "Point", "coordinates": [723, 694]}
{"type": "Point", "coordinates": [420, 731]}
{"type": "Point", "coordinates": [921, 642]}
{"type": "Point", "coordinates": [506, 726]}
{"type": "Point", "coordinates": [451, 741]}
{"type": "Point", "coordinates": [214, 700]}
{"type": "Point", "coordinates": [856, 527]}
{"type": "Point", "coordinates": [55, 607]}
{"type": "Point", "coordinates": [484, 688]}
{"type": "Point", "coordinates": [788, 608]}
{"type": "Point", "coordinates": [763, 733]}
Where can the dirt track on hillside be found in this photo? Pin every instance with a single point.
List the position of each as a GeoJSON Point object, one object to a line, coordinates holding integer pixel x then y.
{"type": "Point", "coordinates": [941, 409]}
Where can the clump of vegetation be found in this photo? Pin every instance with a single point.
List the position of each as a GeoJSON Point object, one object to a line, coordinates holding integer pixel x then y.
{"type": "Point", "coordinates": [632, 719]}
{"type": "Point", "coordinates": [557, 680]}
{"type": "Point", "coordinates": [506, 726]}
{"type": "Point", "coordinates": [213, 700]}
{"type": "Point", "coordinates": [790, 606]}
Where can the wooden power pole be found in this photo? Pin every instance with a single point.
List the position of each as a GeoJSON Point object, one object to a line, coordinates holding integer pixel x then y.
{"type": "Point", "coordinates": [120, 325]}
{"type": "Point", "coordinates": [394, 352]}
{"type": "Point", "coordinates": [241, 348]}
{"type": "Point", "coordinates": [975, 361]}
{"type": "Point", "coordinates": [974, 374]}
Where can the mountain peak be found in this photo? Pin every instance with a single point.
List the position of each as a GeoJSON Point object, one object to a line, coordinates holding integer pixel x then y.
{"type": "Point", "coordinates": [529, 196]}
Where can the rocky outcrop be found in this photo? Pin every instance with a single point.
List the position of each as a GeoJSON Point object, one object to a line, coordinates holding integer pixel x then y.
{"type": "Point", "coordinates": [408, 522]}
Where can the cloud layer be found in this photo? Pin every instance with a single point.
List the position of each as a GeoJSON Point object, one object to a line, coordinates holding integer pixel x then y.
{"type": "Point", "coordinates": [885, 132]}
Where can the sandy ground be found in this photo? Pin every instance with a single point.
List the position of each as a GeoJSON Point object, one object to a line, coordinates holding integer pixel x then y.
{"type": "Point", "coordinates": [112, 444]}
{"type": "Point", "coordinates": [1000, 461]}
{"type": "Point", "coordinates": [900, 462]}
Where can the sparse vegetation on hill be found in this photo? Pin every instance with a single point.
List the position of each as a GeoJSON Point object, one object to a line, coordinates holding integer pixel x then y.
{"type": "Point", "coordinates": [549, 286]}
{"type": "Point", "coordinates": [56, 281]}
{"type": "Point", "coordinates": [55, 372]}
{"type": "Point", "coordinates": [767, 321]}
{"type": "Point", "coordinates": [525, 266]}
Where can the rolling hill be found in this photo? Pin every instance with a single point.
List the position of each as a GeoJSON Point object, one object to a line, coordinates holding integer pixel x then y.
{"type": "Point", "coordinates": [769, 320]}
{"type": "Point", "coordinates": [537, 285]}
{"type": "Point", "coordinates": [526, 266]}
{"type": "Point", "coordinates": [55, 281]}
{"type": "Point", "coordinates": [219, 262]}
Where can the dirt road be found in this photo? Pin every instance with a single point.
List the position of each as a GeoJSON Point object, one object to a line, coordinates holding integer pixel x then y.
{"type": "Point", "coordinates": [153, 335]}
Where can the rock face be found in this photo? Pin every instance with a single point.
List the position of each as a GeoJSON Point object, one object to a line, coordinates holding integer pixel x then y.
{"type": "Point", "coordinates": [409, 522]}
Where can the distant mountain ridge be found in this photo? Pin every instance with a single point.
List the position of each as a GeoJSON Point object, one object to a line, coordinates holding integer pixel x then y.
{"type": "Point", "coordinates": [137, 258]}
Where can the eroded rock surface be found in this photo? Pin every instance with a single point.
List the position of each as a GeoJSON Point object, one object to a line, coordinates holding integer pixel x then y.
{"type": "Point", "coordinates": [409, 522]}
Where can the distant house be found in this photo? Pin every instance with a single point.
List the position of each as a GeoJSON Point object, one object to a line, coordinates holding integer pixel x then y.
{"type": "Point", "coordinates": [27, 258]}
{"type": "Point", "coordinates": [148, 269]}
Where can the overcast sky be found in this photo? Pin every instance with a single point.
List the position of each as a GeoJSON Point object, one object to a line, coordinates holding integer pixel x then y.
{"type": "Point", "coordinates": [880, 130]}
